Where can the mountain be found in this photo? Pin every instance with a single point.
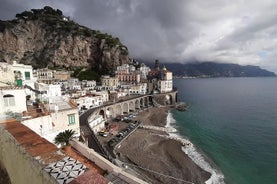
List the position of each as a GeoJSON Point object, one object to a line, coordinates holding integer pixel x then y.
{"type": "Point", "coordinates": [45, 37]}
{"type": "Point", "coordinates": [212, 69]}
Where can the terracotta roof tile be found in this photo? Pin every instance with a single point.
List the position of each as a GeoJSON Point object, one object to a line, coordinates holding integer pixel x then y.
{"type": "Point", "coordinates": [32, 142]}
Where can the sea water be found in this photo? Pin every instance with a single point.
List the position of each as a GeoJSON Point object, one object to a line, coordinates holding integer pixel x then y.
{"type": "Point", "coordinates": [232, 121]}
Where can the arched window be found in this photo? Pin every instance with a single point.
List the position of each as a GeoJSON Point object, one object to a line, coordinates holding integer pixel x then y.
{"type": "Point", "coordinates": [9, 100]}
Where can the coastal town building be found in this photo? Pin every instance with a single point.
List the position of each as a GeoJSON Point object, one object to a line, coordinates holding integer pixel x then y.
{"type": "Point", "coordinates": [61, 75]}
{"type": "Point", "coordinates": [24, 72]}
{"type": "Point", "coordinates": [96, 123]}
{"type": "Point", "coordinates": [44, 75]}
{"type": "Point", "coordinates": [74, 84]}
{"type": "Point", "coordinates": [138, 89]}
{"type": "Point", "coordinates": [109, 83]}
{"type": "Point", "coordinates": [127, 74]}
{"type": "Point", "coordinates": [144, 70]}
{"type": "Point", "coordinates": [88, 101]}
{"type": "Point", "coordinates": [62, 83]}
{"type": "Point", "coordinates": [88, 85]}
{"type": "Point", "coordinates": [160, 80]}
{"type": "Point", "coordinates": [49, 76]}
{"type": "Point", "coordinates": [165, 84]}
{"type": "Point", "coordinates": [104, 95]}
{"type": "Point", "coordinates": [63, 115]}
{"type": "Point", "coordinates": [12, 99]}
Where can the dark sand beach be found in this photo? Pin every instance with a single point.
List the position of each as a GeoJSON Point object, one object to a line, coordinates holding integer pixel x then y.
{"type": "Point", "coordinates": [148, 149]}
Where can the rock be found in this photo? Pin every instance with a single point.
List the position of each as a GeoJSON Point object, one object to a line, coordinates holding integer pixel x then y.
{"type": "Point", "coordinates": [42, 39]}
{"type": "Point", "coordinates": [181, 106]}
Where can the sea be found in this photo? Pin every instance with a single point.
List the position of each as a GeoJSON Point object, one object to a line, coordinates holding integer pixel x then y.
{"type": "Point", "coordinates": [232, 125]}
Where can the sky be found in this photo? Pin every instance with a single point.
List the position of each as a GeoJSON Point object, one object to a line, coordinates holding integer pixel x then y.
{"type": "Point", "coordinates": [238, 31]}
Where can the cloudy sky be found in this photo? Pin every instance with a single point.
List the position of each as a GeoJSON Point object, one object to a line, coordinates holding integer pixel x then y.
{"type": "Point", "coordinates": [237, 31]}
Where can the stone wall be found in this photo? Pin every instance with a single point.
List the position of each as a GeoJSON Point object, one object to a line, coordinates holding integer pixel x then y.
{"type": "Point", "coordinates": [166, 98]}
{"type": "Point", "coordinates": [105, 164]}
{"type": "Point", "coordinates": [21, 167]}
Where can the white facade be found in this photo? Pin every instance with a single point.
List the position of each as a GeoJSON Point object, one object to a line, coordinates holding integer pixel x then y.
{"type": "Point", "coordinates": [54, 90]}
{"type": "Point", "coordinates": [74, 84]}
{"type": "Point", "coordinates": [62, 83]}
{"type": "Point", "coordinates": [64, 115]}
{"type": "Point", "coordinates": [126, 67]}
{"type": "Point", "coordinates": [12, 99]}
{"type": "Point", "coordinates": [88, 101]}
{"type": "Point", "coordinates": [165, 86]}
{"type": "Point", "coordinates": [139, 89]}
{"type": "Point", "coordinates": [108, 82]}
{"type": "Point", "coordinates": [144, 70]}
{"type": "Point", "coordinates": [104, 95]}
{"type": "Point", "coordinates": [121, 94]}
{"type": "Point", "coordinates": [24, 72]}
{"type": "Point", "coordinates": [96, 123]}
{"type": "Point", "coordinates": [50, 126]}
{"type": "Point", "coordinates": [44, 75]}
{"type": "Point", "coordinates": [88, 85]}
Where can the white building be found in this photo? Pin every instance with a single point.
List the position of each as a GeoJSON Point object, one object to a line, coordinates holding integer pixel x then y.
{"type": "Point", "coordinates": [165, 84]}
{"type": "Point", "coordinates": [96, 123]}
{"type": "Point", "coordinates": [144, 70]}
{"type": "Point", "coordinates": [64, 116]}
{"type": "Point", "coordinates": [54, 90]}
{"type": "Point", "coordinates": [104, 95]}
{"type": "Point", "coordinates": [25, 73]}
{"type": "Point", "coordinates": [44, 75]}
{"type": "Point", "coordinates": [126, 67]}
{"type": "Point", "coordinates": [139, 89]}
{"type": "Point", "coordinates": [74, 84]}
{"type": "Point", "coordinates": [88, 85]}
{"type": "Point", "coordinates": [62, 83]}
{"type": "Point", "coordinates": [88, 101]}
{"type": "Point", "coordinates": [109, 83]}
{"type": "Point", "coordinates": [49, 91]}
{"type": "Point", "coordinates": [12, 99]}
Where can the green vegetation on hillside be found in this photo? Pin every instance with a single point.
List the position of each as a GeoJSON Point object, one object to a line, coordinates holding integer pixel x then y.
{"type": "Point", "coordinates": [84, 74]}
{"type": "Point", "coordinates": [57, 21]}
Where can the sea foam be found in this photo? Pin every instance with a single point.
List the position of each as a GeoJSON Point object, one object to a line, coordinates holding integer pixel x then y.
{"type": "Point", "coordinates": [216, 176]}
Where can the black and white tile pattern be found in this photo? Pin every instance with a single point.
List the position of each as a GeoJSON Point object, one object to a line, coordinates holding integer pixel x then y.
{"type": "Point", "coordinates": [66, 170]}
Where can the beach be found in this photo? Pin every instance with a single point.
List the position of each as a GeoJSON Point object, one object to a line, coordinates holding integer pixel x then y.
{"type": "Point", "coordinates": [156, 158]}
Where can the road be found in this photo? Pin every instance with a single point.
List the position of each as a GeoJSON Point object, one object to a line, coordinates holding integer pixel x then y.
{"type": "Point", "coordinates": [92, 140]}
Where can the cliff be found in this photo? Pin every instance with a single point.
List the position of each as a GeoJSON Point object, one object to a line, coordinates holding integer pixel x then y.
{"type": "Point", "coordinates": [45, 37]}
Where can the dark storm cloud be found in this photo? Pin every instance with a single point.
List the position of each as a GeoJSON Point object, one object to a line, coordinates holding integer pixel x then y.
{"type": "Point", "coordinates": [236, 31]}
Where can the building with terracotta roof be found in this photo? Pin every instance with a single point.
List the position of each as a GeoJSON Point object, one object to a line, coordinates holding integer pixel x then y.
{"type": "Point", "coordinates": [127, 74]}
{"type": "Point", "coordinates": [165, 84]}
{"type": "Point", "coordinates": [160, 80]}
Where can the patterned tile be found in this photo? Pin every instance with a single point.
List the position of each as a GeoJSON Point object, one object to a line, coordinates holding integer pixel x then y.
{"type": "Point", "coordinates": [65, 170]}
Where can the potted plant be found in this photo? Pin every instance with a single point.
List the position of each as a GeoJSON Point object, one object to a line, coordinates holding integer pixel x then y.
{"type": "Point", "coordinates": [64, 137]}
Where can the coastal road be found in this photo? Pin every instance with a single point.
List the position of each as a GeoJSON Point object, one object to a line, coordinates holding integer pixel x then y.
{"type": "Point", "coordinates": [92, 140]}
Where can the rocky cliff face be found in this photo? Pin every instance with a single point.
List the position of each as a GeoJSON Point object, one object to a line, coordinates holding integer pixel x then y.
{"type": "Point", "coordinates": [44, 37]}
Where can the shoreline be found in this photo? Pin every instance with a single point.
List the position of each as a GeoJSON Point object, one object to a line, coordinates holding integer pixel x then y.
{"type": "Point", "coordinates": [196, 155]}
{"type": "Point", "coordinates": [156, 156]}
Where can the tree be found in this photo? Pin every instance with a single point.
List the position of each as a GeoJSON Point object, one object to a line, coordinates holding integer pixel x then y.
{"type": "Point", "coordinates": [63, 138]}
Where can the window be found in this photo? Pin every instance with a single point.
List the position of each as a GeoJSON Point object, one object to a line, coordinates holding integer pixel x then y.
{"type": "Point", "coordinates": [27, 76]}
{"type": "Point", "coordinates": [9, 100]}
{"type": "Point", "coordinates": [71, 119]}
